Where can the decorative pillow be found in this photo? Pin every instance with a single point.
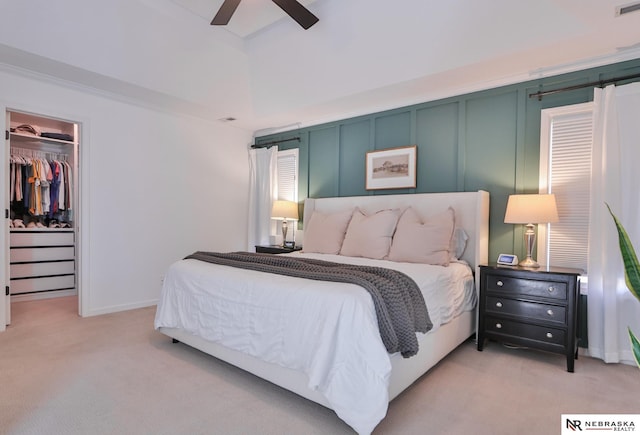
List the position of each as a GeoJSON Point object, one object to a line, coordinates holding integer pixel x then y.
{"type": "Point", "coordinates": [325, 232]}
{"type": "Point", "coordinates": [458, 243]}
{"type": "Point", "coordinates": [370, 236]}
{"type": "Point", "coordinates": [418, 241]}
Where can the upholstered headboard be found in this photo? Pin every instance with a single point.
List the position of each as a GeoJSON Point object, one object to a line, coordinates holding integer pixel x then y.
{"type": "Point", "coordinates": [471, 211]}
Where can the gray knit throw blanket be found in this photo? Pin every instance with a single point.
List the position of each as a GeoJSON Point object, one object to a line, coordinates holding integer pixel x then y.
{"type": "Point", "coordinates": [399, 304]}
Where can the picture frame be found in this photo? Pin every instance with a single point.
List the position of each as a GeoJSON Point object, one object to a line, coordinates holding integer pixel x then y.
{"type": "Point", "coordinates": [391, 168]}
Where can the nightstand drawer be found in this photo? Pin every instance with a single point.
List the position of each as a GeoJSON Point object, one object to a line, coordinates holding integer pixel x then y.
{"type": "Point", "coordinates": [532, 310]}
{"type": "Point", "coordinates": [529, 287]}
{"type": "Point", "coordinates": [524, 330]}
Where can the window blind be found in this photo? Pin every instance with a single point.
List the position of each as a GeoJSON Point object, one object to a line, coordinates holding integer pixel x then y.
{"type": "Point", "coordinates": [288, 175]}
{"type": "Point", "coordinates": [568, 176]}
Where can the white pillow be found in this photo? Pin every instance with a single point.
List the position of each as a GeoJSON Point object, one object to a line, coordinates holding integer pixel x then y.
{"type": "Point", "coordinates": [458, 243]}
{"type": "Point", "coordinates": [428, 241]}
{"type": "Point", "coordinates": [324, 232]}
{"type": "Point", "coordinates": [370, 236]}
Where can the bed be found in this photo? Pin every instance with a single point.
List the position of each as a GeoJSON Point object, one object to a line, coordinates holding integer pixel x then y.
{"type": "Point", "coordinates": [289, 331]}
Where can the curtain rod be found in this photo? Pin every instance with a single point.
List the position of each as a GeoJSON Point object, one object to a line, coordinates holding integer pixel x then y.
{"type": "Point", "coordinates": [599, 84]}
{"type": "Point", "coordinates": [275, 142]}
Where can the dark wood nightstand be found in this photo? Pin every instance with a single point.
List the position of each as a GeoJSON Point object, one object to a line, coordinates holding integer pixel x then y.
{"type": "Point", "coordinates": [536, 308]}
{"type": "Point", "coordinates": [275, 249]}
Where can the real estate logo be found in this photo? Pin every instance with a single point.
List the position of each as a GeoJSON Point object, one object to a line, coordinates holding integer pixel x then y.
{"type": "Point", "coordinates": [599, 423]}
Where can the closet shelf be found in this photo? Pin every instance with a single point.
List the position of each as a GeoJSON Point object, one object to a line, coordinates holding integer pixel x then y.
{"type": "Point", "coordinates": [22, 137]}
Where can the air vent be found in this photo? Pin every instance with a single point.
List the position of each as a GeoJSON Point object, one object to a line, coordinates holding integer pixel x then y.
{"type": "Point", "coordinates": [627, 9]}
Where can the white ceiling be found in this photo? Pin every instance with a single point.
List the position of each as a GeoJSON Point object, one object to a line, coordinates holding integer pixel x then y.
{"type": "Point", "coordinates": [365, 55]}
{"type": "Point", "coordinates": [267, 72]}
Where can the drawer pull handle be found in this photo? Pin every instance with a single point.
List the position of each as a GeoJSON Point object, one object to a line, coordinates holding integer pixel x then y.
{"type": "Point", "coordinates": [498, 325]}
{"type": "Point", "coordinates": [500, 283]}
{"type": "Point", "coordinates": [550, 312]}
{"type": "Point", "coordinates": [551, 289]}
{"type": "Point", "coordinates": [499, 304]}
{"type": "Point", "coordinates": [549, 335]}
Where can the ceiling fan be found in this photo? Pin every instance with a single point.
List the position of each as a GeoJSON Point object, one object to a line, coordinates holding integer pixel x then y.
{"type": "Point", "coordinates": [295, 10]}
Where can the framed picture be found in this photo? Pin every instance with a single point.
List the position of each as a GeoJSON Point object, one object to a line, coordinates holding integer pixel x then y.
{"type": "Point", "coordinates": [392, 168]}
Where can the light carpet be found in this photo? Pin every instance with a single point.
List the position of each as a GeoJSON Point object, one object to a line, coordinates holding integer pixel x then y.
{"type": "Point", "coordinates": [113, 374]}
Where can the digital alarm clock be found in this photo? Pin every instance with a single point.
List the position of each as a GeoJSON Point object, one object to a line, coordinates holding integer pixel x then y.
{"type": "Point", "coordinates": [508, 259]}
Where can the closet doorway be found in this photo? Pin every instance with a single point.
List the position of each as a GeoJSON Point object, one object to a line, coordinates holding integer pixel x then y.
{"type": "Point", "coordinates": [42, 208]}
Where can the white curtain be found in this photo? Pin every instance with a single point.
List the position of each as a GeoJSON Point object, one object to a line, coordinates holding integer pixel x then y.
{"type": "Point", "coordinates": [263, 164]}
{"type": "Point", "coordinates": [615, 181]}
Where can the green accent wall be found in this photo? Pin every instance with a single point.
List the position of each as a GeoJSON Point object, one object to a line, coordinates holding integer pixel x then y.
{"type": "Point", "coordinates": [484, 140]}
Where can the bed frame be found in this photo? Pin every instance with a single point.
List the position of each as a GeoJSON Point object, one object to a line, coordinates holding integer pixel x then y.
{"type": "Point", "coordinates": [472, 214]}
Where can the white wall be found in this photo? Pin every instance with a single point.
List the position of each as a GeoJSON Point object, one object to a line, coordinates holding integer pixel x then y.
{"type": "Point", "coordinates": [155, 186]}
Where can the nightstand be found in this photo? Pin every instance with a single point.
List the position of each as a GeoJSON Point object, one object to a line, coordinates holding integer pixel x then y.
{"type": "Point", "coordinates": [275, 249]}
{"type": "Point", "coordinates": [536, 308]}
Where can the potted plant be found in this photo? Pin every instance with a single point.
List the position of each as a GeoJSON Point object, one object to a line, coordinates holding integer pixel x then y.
{"type": "Point", "coordinates": [631, 275]}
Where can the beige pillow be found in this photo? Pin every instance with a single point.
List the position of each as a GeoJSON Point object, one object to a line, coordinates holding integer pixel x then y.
{"type": "Point", "coordinates": [418, 241]}
{"type": "Point", "coordinates": [325, 232]}
{"type": "Point", "coordinates": [370, 236]}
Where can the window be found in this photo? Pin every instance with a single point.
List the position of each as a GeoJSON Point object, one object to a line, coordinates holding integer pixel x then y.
{"type": "Point", "coordinates": [288, 175]}
{"type": "Point", "coordinates": [566, 139]}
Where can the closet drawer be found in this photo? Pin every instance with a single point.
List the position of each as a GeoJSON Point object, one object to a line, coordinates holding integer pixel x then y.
{"type": "Point", "coordinates": [19, 255]}
{"type": "Point", "coordinates": [41, 238]}
{"type": "Point", "coordinates": [42, 284]}
{"type": "Point", "coordinates": [42, 269]}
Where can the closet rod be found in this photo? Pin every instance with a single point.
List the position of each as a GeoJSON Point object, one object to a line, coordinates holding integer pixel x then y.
{"type": "Point", "coordinates": [599, 84]}
{"type": "Point", "coordinates": [41, 154]}
{"type": "Point", "coordinates": [275, 142]}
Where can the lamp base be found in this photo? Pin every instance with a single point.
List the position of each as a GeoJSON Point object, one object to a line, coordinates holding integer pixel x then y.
{"type": "Point", "coordinates": [529, 262]}
{"type": "Point", "coordinates": [284, 233]}
{"type": "Point", "coordinates": [529, 241]}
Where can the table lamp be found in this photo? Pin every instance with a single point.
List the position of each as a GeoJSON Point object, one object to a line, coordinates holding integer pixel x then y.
{"type": "Point", "coordinates": [529, 210]}
{"type": "Point", "coordinates": [285, 210]}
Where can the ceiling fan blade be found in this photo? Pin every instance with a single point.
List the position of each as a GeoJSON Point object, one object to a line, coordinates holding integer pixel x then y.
{"type": "Point", "coordinates": [225, 12]}
{"type": "Point", "coordinates": [298, 12]}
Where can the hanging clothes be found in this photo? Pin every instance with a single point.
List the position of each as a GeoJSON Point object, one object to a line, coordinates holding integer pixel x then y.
{"type": "Point", "coordinates": [69, 186]}
{"type": "Point", "coordinates": [41, 187]}
{"type": "Point", "coordinates": [61, 190]}
{"type": "Point", "coordinates": [18, 182]}
{"type": "Point", "coordinates": [54, 188]}
{"type": "Point", "coordinates": [12, 181]}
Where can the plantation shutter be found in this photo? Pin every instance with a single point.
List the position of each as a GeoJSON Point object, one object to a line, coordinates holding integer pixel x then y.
{"type": "Point", "coordinates": [288, 175]}
{"type": "Point", "coordinates": [567, 157]}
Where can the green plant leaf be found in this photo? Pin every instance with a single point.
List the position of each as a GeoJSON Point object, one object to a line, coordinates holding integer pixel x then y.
{"type": "Point", "coordinates": [629, 258]}
{"type": "Point", "coordinates": [635, 347]}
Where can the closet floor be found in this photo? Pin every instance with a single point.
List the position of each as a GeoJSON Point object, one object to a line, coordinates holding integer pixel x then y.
{"type": "Point", "coordinates": [40, 311]}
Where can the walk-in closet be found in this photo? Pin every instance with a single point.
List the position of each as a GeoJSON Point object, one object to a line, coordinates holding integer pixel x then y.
{"type": "Point", "coordinates": [42, 209]}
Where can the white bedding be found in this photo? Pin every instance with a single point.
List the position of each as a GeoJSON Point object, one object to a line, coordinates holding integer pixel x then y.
{"type": "Point", "coordinates": [327, 330]}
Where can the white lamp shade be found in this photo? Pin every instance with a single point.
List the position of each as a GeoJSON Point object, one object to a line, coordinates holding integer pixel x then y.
{"type": "Point", "coordinates": [284, 210]}
{"type": "Point", "coordinates": [531, 209]}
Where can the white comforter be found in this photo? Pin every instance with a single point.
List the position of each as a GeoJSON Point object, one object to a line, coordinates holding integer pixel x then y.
{"type": "Point", "coordinates": [327, 330]}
